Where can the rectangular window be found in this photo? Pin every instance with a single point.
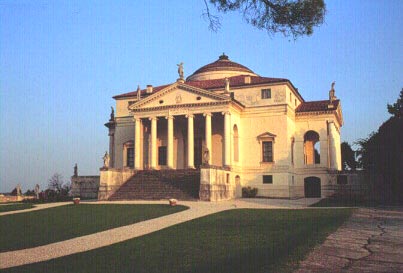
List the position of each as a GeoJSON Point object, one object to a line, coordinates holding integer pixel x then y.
{"type": "Point", "coordinates": [266, 93]}
{"type": "Point", "coordinates": [130, 157]}
{"type": "Point", "coordinates": [267, 179]}
{"type": "Point", "coordinates": [162, 155]}
{"type": "Point", "coordinates": [267, 151]}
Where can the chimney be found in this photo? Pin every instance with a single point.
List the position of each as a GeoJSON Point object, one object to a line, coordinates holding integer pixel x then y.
{"type": "Point", "coordinates": [149, 89]}
{"type": "Point", "coordinates": [247, 79]}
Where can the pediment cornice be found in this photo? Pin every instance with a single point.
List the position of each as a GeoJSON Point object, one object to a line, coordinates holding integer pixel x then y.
{"type": "Point", "coordinates": [213, 97]}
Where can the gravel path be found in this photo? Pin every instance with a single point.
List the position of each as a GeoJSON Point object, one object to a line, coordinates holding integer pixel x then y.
{"type": "Point", "coordinates": [37, 207]}
{"type": "Point", "coordinates": [116, 235]}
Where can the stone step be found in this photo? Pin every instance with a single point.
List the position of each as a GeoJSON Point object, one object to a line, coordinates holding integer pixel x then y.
{"type": "Point", "coordinates": [164, 184]}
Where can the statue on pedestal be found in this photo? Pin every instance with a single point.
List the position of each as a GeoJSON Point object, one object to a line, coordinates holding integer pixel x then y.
{"type": "Point", "coordinates": [18, 190]}
{"type": "Point", "coordinates": [226, 85]}
{"type": "Point", "coordinates": [37, 191]}
{"type": "Point", "coordinates": [180, 70]}
{"type": "Point", "coordinates": [332, 92]}
{"type": "Point", "coordinates": [206, 155]}
{"type": "Point", "coordinates": [106, 159]}
{"type": "Point", "coordinates": [112, 114]}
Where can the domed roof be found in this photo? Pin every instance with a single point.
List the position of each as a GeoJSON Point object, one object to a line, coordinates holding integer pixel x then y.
{"type": "Point", "coordinates": [221, 68]}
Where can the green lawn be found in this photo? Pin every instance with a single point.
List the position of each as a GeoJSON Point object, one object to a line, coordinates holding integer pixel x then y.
{"type": "Point", "coordinates": [334, 202]}
{"type": "Point", "coordinates": [46, 226]}
{"type": "Point", "coordinates": [15, 206]}
{"type": "Point", "coordinates": [231, 241]}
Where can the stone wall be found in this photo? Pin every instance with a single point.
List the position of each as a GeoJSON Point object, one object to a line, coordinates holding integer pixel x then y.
{"type": "Point", "coordinates": [111, 180]}
{"type": "Point", "coordinates": [85, 186]}
{"type": "Point", "coordinates": [215, 184]}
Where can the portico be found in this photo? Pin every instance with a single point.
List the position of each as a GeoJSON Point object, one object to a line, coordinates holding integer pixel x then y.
{"type": "Point", "coordinates": [180, 138]}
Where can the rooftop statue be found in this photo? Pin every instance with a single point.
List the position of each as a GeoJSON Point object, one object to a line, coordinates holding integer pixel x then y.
{"type": "Point", "coordinates": [180, 70]}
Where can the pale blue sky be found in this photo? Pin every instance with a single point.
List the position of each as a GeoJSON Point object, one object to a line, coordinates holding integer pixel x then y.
{"type": "Point", "coordinates": [62, 61]}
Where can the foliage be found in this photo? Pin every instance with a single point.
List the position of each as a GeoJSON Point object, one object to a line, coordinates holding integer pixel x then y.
{"type": "Point", "coordinates": [55, 183]}
{"type": "Point", "coordinates": [289, 17]}
{"type": "Point", "coordinates": [249, 192]}
{"type": "Point", "coordinates": [30, 193]}
{"type": "Point", "coordinates": [65, 222]}
{"type": "Point", "coordinates": [14, 192]}
{"type": "Point", "coordinates": [58, 190]}
{"type": "Point", "coordinates": [381, 155]}
{"type": "Point", "coordinates": [348, 157]}
{"type": "Point", "coordinates": [240, 240]}
{"type": "Point", "coordinates": [396, 109]}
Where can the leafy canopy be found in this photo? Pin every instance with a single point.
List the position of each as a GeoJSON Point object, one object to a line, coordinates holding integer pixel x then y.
{"type": "Point", "coordinates": [290, 17]}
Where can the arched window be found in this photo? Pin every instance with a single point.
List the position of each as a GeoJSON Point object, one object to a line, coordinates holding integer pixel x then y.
{"type": "Point", "coordinates": [311, 148]}
{"type": "Point", "coordinates": [236, 144]}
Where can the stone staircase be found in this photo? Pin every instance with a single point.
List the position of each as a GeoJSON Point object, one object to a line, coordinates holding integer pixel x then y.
{"type": "Point", "coordinates": [160, 184]}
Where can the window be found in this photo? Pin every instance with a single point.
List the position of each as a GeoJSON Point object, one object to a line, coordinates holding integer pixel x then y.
{"type": "Point", "coordinates": [267, 179]}
{"type": "Point", "coordinates": [267, 151]}
{"type": "Point", "coordinates": [311, 148]}
{"type": "Point", "coordinates": [128, 154]}
{"type": "Point", "coordinates": [130, 157]}
{"type": "Point", "coordinates": [162, 155]}
{"type": "Point", "coordinates": [266, 93]}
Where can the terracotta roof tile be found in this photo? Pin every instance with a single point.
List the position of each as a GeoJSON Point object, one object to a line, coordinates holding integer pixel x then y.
{"type": "Point", "coordinates": [222, 64]}
{"type": "Point", "coordinates": [236, 81]}
{"type": "Point", "coordinates": [143, 92]}
{"type": "Point", "coordinates": [316, 106]}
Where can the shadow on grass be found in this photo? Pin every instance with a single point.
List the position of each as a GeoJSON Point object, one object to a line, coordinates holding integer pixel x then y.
{"type": "Point", "coordinates": [15, 206]}
{"type": "Point", "coordinates": [242, 240]}
{"type": "Point", "coordinates": [46, 226]}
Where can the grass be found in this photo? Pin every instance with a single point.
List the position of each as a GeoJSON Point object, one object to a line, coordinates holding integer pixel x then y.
{"type": "Point", "coordinates": [46, 226]}
{"type": "Point", "coordinates": [231, 241]}
{"type": "Point", "coordinates": [338, 202]}
{"type": "Point", "coordinates": [15, 206]}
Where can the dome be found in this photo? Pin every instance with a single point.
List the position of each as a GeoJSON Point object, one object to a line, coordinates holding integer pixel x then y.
{"type": "Point", "coordinates": [219, 69]}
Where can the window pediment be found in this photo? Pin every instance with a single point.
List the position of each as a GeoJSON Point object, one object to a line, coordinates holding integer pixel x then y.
{"type": "Point", "coordinates": [266, 136]}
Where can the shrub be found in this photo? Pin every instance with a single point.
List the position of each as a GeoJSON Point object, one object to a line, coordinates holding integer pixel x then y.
{"type": "Point", "coordinates": [249, 192]}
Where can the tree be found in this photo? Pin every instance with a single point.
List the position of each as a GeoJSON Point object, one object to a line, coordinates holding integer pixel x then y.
{"type": "Point", "coordinates": [347, 157]}
{"type": "Point", "coordinates": [289, 17]}
{"type": "Point", "coordinates": [381, 155]}
{"type": "Point", "coordinates": [55, 183]}
{"type": "Point", "coordinates": [396, 109]}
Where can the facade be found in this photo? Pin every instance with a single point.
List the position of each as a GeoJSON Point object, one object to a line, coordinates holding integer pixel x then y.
{"type": "Point", "coordinates": [240, 129]}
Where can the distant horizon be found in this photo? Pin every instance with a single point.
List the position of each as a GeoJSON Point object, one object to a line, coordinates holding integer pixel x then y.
{"type": "Point", "coordinates": [61, 64]}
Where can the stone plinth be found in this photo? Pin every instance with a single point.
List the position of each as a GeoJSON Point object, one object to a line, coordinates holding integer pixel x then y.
{"type": "Point", "coordinates": [215, 184]}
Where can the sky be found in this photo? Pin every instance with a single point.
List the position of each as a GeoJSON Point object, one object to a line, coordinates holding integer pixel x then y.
{"type": "Point", "coordinates": [62, 61]}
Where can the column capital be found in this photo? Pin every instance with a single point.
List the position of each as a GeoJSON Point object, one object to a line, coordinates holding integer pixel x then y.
{"type": "Point", "coordinates": [152, 118]}
{"type": "Point", "coordinates": [136, 119]}
{"type": "Point", "coordinates": [207, 114]}
{"type": "Point", "coordinates": [189, 116]}
{"type": "Point", "coordinates": [170, 117]}
{"type": "Point", "coordinates": [226, 113]}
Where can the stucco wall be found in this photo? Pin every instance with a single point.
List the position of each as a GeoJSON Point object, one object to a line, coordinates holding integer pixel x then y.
{"type": "Point", "coordinates": [85, 186]}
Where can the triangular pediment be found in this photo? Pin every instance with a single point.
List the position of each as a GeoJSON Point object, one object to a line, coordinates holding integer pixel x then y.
{"type": "Point", "coordinates": [266, 135]}
{"type": "Point", "coordinates": [179, 94]}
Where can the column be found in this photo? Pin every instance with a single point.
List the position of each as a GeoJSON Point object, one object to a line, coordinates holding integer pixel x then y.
{"type": "Point", "coordinates": [137, 143]}
{"type": "Point", "coordinates": [227, 138]}
{"type": "Point", "coordinates": [170, 137]}
{"type": "Point", "coordinates": [208, 136]}
{"type": "Point", "coordinates": [190, 149]}
{"type": "Point", "coordinates": [153, 142]}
